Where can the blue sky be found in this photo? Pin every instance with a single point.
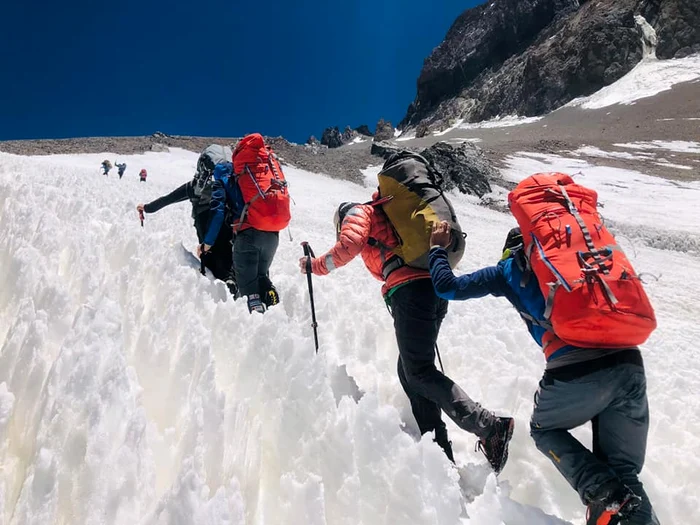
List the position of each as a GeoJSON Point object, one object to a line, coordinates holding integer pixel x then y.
{"type": "Point", "coordinates": [213, 68]}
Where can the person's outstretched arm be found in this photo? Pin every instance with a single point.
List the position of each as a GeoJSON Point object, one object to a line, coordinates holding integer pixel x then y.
{"type": "Point", "coordinates": [480, 283]}
{"type": "Point", "coordinates": [179, 194]}
{"type": "Point", "coordinates": [489, 280]}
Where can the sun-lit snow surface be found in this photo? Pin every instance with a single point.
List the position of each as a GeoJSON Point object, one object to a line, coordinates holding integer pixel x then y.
{"type": "Point", "coordinates": [133, 390]}
{"type": "Point", "coordinates": [647, 79]}
{"type": "Point", "coordinates": [679, 146]}
{"type": "Point", "coordinates": [500, 122]}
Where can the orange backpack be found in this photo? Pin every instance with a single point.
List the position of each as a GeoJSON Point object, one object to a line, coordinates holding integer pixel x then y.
{"type": "Point", "coordinates": [262, 185]}
{"type": "Point", "coordinates": [594, 298]}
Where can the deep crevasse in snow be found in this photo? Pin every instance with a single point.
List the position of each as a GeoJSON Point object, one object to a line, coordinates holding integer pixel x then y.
{"type": "Point", "coordinates": [133, 390]}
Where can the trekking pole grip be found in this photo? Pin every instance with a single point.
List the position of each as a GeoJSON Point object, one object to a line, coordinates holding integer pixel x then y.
{"type": "Point", "coordinates": [309, 253]}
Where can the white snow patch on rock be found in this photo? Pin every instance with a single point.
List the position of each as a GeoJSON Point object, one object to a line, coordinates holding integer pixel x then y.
{"type": "Point", "coordinates": [648, 78]}
{"type": "Point", "coordinates": [501, 122]}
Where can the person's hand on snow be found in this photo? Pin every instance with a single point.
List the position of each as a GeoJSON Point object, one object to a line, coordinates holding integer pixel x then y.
{"type": "Point", "coordinates": [441, 235]}
{"type": "Point", "coordinates": [203, 249]}
{"type": "Point", "coordinates": [139, 208]}
{"type": "Point", "coordinates": [303, 264]}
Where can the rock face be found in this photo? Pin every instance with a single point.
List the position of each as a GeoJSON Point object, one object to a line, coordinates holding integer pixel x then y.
{"type": "Point", "coordinates": [529, 57]}
{"type": "Point", "coordinates": [349, 134]}
{"type": "Point", "coordinates": [364, 130]}
{"type": "Point", "coordinates": [332, 138]}
{"type": "Point", "coordinates": [162, 148]}
{"type": "Point", "coordinates": [384, 130]}
{"type": "Point", "coordinates": [385, 149]}
{"type": "Point", "coordinates": [463, 167]}
{"type": "Point", "coordinates": [677, 24]}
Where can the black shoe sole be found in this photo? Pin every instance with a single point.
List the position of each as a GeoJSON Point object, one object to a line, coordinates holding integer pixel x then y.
{"type": "Point", "coordinates": [506, 444]}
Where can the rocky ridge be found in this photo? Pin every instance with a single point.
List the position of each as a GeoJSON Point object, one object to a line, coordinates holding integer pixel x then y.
{"type": "Point", "coordinates": [332, 137]}
{"type": "Point", "coordinates": [529, 57]}
{"type": "Point", "coordinates": [464, 169]}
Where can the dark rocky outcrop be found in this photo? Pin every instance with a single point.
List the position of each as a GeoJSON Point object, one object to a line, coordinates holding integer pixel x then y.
{"type": "Point", "coordinates": [160, 148]}
{"type": "Point", "coordinates": [349, 134]}
{"type": "Point", "coordinates": [332, 138]}
{"type": "Point", "coordinates": [384, 130]}
{"type": "Point", "coordinates": [364, 130]}
{"type": "Point", "coordinates": [677, 24]}
{"type": "Point", "coordinates": [529, 57]}
{"type": "Point", "coordinates": [385, 149]}
{"type": "Point", "coordinates": [462, 167]}
{"type": "Point", "coordinates": [480, 39]}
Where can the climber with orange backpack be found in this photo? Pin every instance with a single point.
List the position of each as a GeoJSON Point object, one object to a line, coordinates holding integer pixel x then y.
{"type": "Point", "coordinates": [583, 303]}
{"type": "Point", "coordinates": [255, 189]}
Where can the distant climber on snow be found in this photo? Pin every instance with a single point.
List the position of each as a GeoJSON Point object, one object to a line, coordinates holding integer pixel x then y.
{"type": "Point", "coordinates": [106, 166]}
{"type": "Point", "coordinates": [369, 230]}
{"type": "Point", "coordinates": [198, 191]}
{"type": "Point", "coordinates": [121, 168]}
{"type": "Point", "coordinates": [143, 174]}
{"type": "Point", "coordinates": [583, 304]}
{"type": "Point", "coordinates": [253, 187]}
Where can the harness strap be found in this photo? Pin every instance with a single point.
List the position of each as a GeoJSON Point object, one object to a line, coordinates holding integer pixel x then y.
{"type": "Point", "coordinates": [608, 292]}
{"type": "Point", "coordinates": [543, 324]}
{"type": "Point", "coordinates": [549, 304]}
{"type": "Point", "coordinates": [584, 229]}
{"type": "Point", "coordinates": [600, 257]}
{"type": "Point", "coordinates": [244, 213]}
{"type": "Point", "coordinates": [390, 264]}
{"type": "Point", "coordinates": [552, 268]}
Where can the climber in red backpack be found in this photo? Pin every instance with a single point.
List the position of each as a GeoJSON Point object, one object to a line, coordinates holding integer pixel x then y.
{"type": "Point", "coordinates": [143, 174]}
{"type": "Point", "coordinates": [256, 191]}
{"type": "Point", "coordinates": [584, 305]}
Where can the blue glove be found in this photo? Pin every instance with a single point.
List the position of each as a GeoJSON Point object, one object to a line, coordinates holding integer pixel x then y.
{"type": "Point", "coordinates": [223, 170]}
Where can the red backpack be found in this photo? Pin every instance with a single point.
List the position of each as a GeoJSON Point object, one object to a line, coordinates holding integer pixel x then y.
{"type": "Point", "coordinates": [262, 185]}
{"type": "Point", "coordinates": [594, 297]}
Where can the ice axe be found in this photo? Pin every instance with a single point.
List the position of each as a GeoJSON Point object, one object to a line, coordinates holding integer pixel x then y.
{"type": "Point", "coordinates": [141, 217]}
{"type": "Point", "coordinates": [309, 253]}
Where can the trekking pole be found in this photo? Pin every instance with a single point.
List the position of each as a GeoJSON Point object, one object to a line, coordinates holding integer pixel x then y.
{"type": "Point", "coordinates": [202, 269]}
{"type": "Point", "coordinates": [437, 351]}
{"type": "Point", "coordinates": [309, 253]}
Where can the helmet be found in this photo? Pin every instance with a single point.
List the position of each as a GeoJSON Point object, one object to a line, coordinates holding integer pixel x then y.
{"type": "Point", "coordinates": [514, 242]}
{"type": "Point", "coordinates": [340, 214]}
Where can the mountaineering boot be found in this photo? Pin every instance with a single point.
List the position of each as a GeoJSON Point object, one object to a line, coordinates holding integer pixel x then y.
{"type": "Point", "coordinates": [615, 503]}
{"type": "Point", "coordinates": [444, 443]}
{"type": "Point", "coordinates": [255, 304]}
{"type": "Point", "coordinates": [271, 297]}
{"type": "Point", "coordinates": [495, 446]}
{"type": "Point", "coordinates": [232, 286]}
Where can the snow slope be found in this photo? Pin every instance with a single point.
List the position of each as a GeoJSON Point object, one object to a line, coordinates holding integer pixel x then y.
{"type": "Point", "coordinates": [648, 78]}
{"type": "Point", "coordinates": [133, 390]}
